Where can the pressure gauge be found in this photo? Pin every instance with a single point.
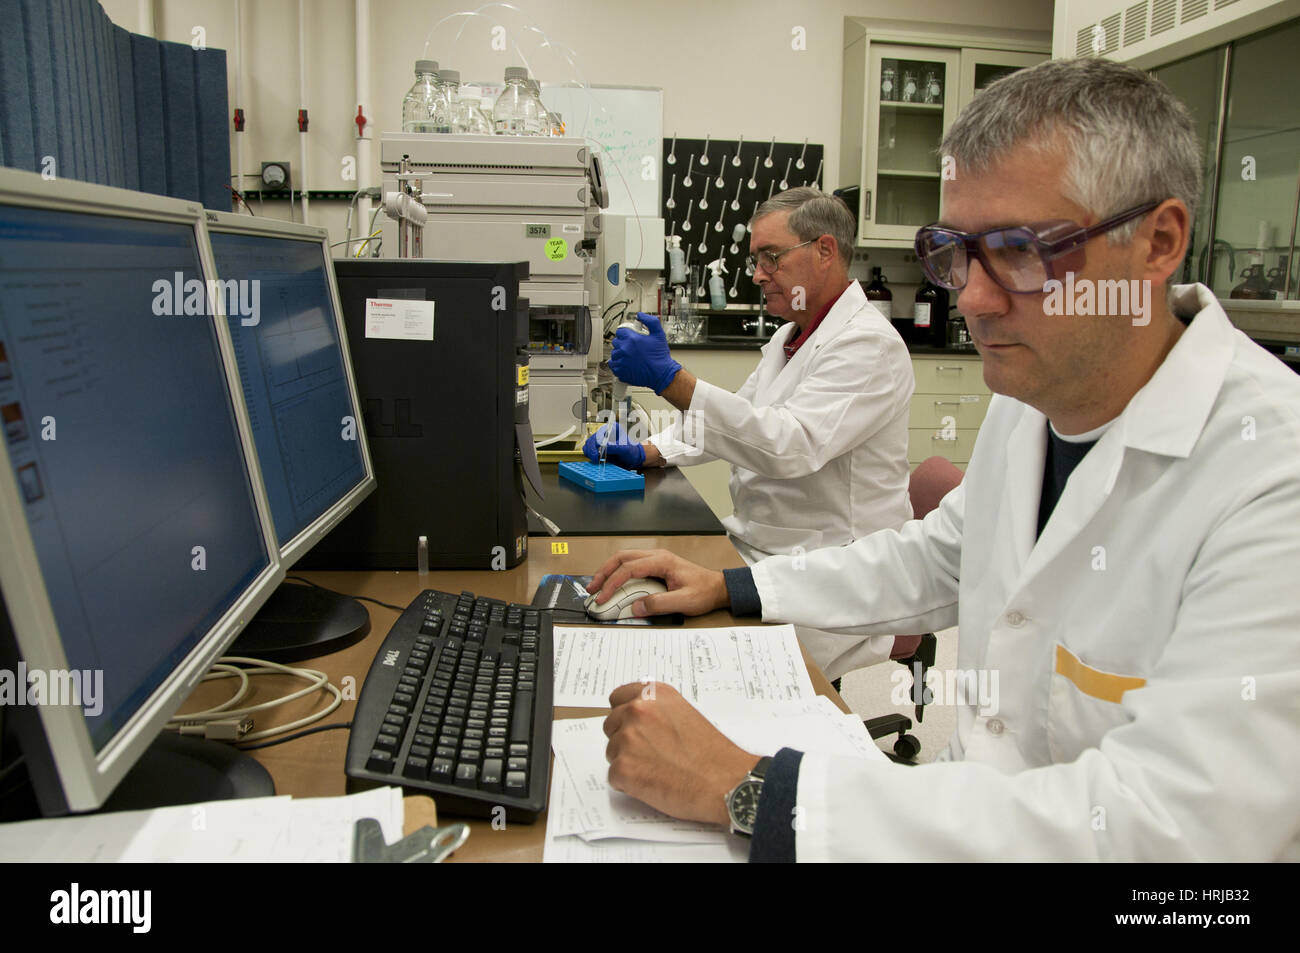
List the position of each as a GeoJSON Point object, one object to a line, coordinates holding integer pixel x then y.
{"type": "Point", "coordinates": [275, 176]}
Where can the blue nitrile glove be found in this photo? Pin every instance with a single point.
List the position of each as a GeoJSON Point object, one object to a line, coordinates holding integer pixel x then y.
{"type": "Point", "coordinates": [621, 452]}
{"type": "Point", "coordinates": [643, 359]}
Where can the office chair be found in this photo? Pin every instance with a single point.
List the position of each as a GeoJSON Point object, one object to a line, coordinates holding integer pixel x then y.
{"type": "Point", "coordinates": [930, 482]}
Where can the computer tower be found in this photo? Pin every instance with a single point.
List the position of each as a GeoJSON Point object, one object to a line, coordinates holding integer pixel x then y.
{"type": "Point", "coordinates": [438, 349]}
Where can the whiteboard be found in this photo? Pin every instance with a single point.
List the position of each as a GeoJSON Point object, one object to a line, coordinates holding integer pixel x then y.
{"type": "Point", "coordinates": [624, 126]}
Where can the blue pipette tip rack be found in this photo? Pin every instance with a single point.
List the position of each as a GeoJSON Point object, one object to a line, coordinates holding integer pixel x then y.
{"type": "Point", "coordinates": [601, 479]}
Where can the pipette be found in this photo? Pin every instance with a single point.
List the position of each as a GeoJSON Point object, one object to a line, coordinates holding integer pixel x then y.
{"type": "Point", "coordinates": [619, 389]}
{"type": "Point", "coordinates": [620, 394]}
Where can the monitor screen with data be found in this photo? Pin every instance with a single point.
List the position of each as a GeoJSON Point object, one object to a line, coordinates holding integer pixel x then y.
{"type": "Point", "coordinates": [133, 530]}
{"type": "Point", "coordinates": [293, 363]}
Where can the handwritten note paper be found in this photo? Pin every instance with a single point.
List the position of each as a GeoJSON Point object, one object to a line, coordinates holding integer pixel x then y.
{"type": "Point", "coordinates": [753, 663]}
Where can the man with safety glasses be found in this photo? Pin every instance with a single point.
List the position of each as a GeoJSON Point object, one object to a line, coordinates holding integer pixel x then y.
{"type": "Point", "coordinates": [1122, 552]}
{"type": "Point", "coordinates": [817, 435]}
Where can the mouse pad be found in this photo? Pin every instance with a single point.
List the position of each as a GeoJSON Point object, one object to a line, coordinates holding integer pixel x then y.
{"type": "Point", "coordinates": [568, 594]}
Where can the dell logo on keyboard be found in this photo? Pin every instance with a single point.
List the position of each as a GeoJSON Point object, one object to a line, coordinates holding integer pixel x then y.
{"type": "Point", "coordinates": [390, 657]}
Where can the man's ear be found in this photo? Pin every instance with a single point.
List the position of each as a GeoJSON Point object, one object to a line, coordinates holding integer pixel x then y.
{"type": "Point", "coordinates": [1167, 231]}
{"type": "Point", "coordinates": [827, 249]}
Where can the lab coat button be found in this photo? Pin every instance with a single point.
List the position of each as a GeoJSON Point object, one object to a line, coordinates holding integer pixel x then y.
{"type": "Point", "coordinates": [1015, 619]}
{"type": "Point", "coordinates": [995, 726]}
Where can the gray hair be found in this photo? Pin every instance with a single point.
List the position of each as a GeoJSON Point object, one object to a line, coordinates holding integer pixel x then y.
{"type": "Point", "coordinates": [1128, 138]}
{"type": "Point", "coordinates": [814, 213]}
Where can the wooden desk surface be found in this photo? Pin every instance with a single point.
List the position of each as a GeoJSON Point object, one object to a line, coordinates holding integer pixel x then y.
{"type": "Point", "coordinates": [312, 766]}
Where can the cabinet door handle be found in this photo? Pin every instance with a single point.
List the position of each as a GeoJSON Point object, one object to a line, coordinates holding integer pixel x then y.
{"type": "Point", "coordinates": [947, 403]}
{"type": "Point", "coordinates": [866, 204]}
{"type": "Point", "coordinates": [943, 367]}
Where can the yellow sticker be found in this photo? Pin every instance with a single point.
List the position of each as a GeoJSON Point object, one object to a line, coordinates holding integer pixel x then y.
{"type": "Point", "coordinates": [523, 375]}
{"type": "Point", "coordinates": [559, 549]}
{"type": "Point", "coordinates": [557, 249]}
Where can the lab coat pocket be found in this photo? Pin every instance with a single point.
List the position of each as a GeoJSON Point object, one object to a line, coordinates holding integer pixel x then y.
{"type": "Point", "coordinates": [1083, 705]}
{"type": "Point", "coordinates": [782, 540]}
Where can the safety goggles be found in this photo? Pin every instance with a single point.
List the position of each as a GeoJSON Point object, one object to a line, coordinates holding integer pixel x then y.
{"type": "Point", "coordinates": [1020, 258]}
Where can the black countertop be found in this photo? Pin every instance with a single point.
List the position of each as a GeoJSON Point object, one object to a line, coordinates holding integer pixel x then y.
{"type": "Point", "coordinates": [668, 506]}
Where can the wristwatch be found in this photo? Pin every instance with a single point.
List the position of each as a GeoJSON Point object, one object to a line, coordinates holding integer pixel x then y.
{"type": "Point", "coordinates": [742, 800]}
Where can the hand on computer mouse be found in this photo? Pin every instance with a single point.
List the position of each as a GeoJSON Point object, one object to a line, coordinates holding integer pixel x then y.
{"type": "Point", "coordinates": [692, 589]}
{"type": "Point", "coordinates": [623, 602]}
{"type": "Point", "coordinates": [620, 450]}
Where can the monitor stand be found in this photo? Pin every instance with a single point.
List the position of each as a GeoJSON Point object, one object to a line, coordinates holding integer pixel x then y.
{"type": "Point", "coordinates": [179, 770]}
{"type": "Point", "coordinates": [300, 622]}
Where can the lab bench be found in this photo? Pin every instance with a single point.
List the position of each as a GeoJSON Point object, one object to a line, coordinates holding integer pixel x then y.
{"type": "Point", "coordinates": [668, 506]}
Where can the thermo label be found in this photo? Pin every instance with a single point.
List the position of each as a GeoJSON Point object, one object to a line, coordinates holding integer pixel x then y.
{"type": "Point", "coordinates": [399, 319]}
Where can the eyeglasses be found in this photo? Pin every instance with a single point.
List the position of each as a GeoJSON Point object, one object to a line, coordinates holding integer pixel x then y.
{"type": "Point", "coordinates": [770, 261]}
{"type": "Point", "coordinates": [1020, 258]}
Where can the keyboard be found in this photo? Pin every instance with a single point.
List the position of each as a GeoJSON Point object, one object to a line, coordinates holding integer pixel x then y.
{"type": "Point", "coordinates": [457, 705]}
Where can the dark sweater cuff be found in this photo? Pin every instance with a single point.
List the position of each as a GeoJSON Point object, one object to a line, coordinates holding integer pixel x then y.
{"type": "Point", "coordinates": [773, 841]}
{"type": "Point", "coordinates": [742, 592]}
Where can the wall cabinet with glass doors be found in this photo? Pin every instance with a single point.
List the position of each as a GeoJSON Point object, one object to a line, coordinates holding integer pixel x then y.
{"type": "Point", "coordinates": [899, 99]}
{"type": "Point", "coordinates": [1242, 97]}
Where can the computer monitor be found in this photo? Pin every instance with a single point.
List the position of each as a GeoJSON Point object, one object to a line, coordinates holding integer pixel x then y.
{"type": "Point", "coordinates": [137, 538]}
{"type": "Point", "coordinates": [291, 350]}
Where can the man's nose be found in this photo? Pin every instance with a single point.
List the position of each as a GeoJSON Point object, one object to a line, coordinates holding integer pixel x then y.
{"type": "Point", "coordinates": [982, 295]}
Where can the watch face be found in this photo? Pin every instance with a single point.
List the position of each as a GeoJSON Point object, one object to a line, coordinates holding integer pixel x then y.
{"type": "Point", "coordinates": [743, 805]}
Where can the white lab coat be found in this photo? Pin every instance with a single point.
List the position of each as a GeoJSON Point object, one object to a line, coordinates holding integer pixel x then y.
{"type": "Point", "coordinates": [818, 447]}
{"type": "Point", "coordinates": [1173, 556]}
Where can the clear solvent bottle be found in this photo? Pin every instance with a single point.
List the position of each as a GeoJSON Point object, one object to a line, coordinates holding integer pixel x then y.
{"type": "Point", "coordinates": [422, 99]}
{"type": "Point", "coordinates": [517, 112]}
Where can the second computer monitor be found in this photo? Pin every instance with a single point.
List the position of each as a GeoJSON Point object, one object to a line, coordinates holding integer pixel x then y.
{"type": "Point", "coordinates": [282, 307]}
{"type": "Point", "coordinates": [277, 283]}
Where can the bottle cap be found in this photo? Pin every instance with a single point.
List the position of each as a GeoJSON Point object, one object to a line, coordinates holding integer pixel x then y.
{"type": "Point", "coordinates": [426, 66]}
{"type": "Point", "coordinates": [449, 76]}
{"type": "Point", "coordinates": [516, 72]}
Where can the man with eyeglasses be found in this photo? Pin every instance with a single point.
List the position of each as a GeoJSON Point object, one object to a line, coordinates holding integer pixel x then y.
{"type": "Point", "coordinates": [817, 435]}
{"type": "Point", "coordinates": [1122, 552]}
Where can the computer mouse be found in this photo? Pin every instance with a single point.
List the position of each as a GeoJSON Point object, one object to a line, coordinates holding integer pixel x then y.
{"type": "Point", "coordinates": [620, 603]}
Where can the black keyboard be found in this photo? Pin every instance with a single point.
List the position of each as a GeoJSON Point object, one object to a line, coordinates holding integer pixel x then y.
{"type": "Point", "coordinates": [457, 704]}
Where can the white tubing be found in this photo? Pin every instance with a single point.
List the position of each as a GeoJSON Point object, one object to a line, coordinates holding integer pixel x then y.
{"type": "Point", "coordinates": [556, 439]}
{"type": "Point", "coordinates": [147, 25]}
{"type": "Point", "coordinates": [238, 51]}
{"type": "Point", "coordinates": [362, 21]}
{"type": "Point", "coordinates": [302, 97]}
